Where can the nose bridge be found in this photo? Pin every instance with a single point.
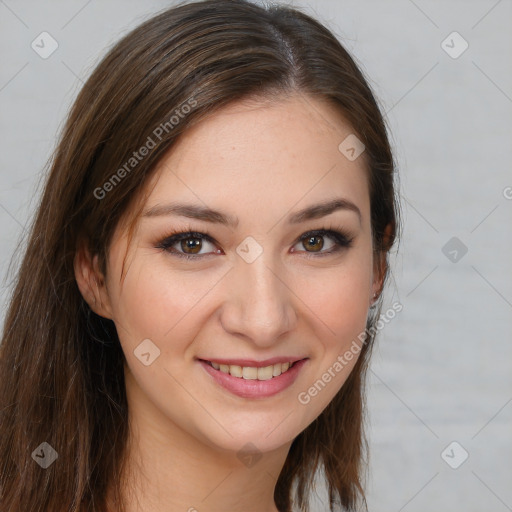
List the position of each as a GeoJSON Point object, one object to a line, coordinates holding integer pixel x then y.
{"type": "Point", "coordinates": [260, 304]}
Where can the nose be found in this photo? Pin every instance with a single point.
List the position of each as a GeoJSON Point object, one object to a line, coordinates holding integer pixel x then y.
{"type": "Point", "coordinates": [259, 303]}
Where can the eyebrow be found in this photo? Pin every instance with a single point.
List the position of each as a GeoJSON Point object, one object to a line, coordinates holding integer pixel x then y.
{"type": "Point", "coordinates": [206, 214]}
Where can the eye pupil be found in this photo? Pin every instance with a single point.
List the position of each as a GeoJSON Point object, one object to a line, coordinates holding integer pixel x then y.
{"type": "Point", "coordinates": [311, 240]}
{"type": "Point", "coordinates": [191, 243]}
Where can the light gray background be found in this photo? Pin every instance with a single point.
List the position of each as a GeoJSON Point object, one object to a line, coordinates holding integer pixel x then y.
{"type": "Point", "coordinates": [441, 371]}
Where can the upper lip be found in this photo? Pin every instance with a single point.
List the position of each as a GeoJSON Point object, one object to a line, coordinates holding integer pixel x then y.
{"type": "Point", "coordinates": [253, 363]}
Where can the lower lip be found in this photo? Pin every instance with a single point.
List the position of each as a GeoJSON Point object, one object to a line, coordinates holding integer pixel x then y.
{"type": "Point", "coordinates": [248, 388]}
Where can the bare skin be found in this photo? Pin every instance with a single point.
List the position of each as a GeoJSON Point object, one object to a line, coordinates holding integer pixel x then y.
{"type": "Point", "coordinates": [261, 163]}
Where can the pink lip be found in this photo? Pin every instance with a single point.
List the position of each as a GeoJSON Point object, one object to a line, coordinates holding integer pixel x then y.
{"type": "Point", "coordinates": [246, 388]}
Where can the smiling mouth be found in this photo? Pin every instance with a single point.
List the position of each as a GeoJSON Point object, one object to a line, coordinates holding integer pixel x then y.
{"type": "Point", "coordinates": [251, 372]}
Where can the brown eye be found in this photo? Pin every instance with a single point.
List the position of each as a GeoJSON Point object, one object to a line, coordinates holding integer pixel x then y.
{"type": "Point", "coordinates": [315, 246]}
{"type": "Point", "coordinates": [191, 245]}
{"type": "Point", "coordinates": [315, 243]}
{"type": "Point", "coordinates": [187, 244]}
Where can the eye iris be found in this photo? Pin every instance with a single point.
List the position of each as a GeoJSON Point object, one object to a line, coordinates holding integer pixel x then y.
{"type": "Point", "coordinates": [191, 243]}
{"type": "Point", "coordinates": [311, 240]}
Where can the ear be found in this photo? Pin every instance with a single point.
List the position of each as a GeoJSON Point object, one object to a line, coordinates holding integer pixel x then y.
{"type": "Point", "coordinates": [91, 282]}
{"type": "Point", "coordinates": [380, 265]}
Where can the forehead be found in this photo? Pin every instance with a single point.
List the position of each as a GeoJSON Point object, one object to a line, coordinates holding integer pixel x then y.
{"type": "Point", "coordinates": [263, 158]}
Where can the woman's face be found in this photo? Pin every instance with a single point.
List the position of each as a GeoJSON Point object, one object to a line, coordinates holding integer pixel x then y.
{"type": "Point", "coordinates": [262, 285]}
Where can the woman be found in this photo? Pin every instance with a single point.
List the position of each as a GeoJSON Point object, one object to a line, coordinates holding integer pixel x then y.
{"type": "Point", "coordinates": [193, 317]}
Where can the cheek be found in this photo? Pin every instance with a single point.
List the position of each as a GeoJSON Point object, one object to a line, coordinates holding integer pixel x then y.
{"type": "Point", "coordinates": [339, 299]}
{"type": "Point", "coordinates": [157, 304]}
{"type": "Point", "coordinates": [154, 301]}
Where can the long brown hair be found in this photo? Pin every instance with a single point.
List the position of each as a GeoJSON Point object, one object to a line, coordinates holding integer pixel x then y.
{"type": "Point", "coordinates": [61, 365]}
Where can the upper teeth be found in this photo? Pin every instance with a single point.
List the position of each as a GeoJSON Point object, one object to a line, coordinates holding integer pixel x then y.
{"type": "Point", "coordinates": [251, 372]}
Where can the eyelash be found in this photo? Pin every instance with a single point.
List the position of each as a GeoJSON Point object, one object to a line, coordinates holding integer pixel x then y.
{"type": "Point", "coordinates": [342, 241]}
